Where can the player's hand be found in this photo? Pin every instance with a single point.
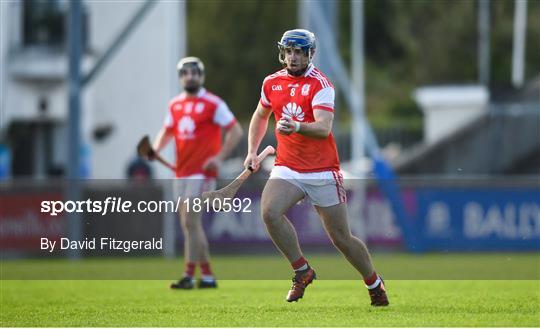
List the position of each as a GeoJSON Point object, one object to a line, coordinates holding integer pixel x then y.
{"type": "Point", "coordinates": [212, 163]}
{"type": "Point", "coordinates": [252, 162]}
{"type": "Point", "coordinates": [286, 125]}
{"type": "Point", "coordinates": [150, 155]}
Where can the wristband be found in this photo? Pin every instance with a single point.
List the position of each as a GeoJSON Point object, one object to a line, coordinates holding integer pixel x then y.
{"type": "Point", "coordinates": [296, 126]}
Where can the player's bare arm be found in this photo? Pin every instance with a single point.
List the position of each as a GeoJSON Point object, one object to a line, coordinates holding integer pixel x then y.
{"type": "Point", "coordinates": [257, 129]}
{"type": "Point", "coordinates": [232, 138]}
{"type": "Point", "coordinates": [163, 137]}
{"type": "Point", "coordinates": [320, 128]}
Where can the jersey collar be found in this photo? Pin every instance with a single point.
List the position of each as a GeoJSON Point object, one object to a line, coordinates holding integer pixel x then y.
{"type": "Point", "coordinates": [201, 92]}
{"type": "Point", "coordinates": [309, 69]}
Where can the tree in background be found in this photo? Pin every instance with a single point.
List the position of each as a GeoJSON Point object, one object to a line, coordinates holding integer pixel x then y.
{"type": "Point", "coordinates": [408, 44]}
{"type": "Point", "coordinates": [237, 40]}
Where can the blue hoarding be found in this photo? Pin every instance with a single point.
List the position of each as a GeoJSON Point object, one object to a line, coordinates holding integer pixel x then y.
{"type": "Point", "coordinates": [461, 219]}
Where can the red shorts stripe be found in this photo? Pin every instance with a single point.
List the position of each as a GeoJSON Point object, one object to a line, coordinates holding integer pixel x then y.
{"type": "Point", "coordinates": [337, 186]}
{"type": "Point", "coordinates": [338, 177]}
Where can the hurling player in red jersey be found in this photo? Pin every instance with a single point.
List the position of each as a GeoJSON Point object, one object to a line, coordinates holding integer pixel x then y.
{"type": "Point", "coordinates": [307, 164]}
{"type": "Point", "coordinates": [195, 120]}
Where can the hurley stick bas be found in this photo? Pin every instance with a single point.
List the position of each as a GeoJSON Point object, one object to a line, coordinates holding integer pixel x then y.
{"type": "Point", "coordinates": [144, 149]}
{"type": "Point", "coordinates": [230, 190]}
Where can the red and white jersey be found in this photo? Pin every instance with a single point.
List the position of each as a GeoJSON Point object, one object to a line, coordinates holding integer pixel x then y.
{"type": "Point", "coordinates": [196, 122]}
{"type": "Point", "coordinates": [298, 97]}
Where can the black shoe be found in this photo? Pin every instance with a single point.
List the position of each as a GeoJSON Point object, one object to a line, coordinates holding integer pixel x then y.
{"type": "Point", "coordinates": [207, 283]}
{"type": "Point", "coordinates": [184, 283]}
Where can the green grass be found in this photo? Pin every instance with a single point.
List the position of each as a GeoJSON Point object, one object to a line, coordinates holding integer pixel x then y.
{"type": "Point", "coordinates": [260, 303]}
{"type": "Point", "coordinates": [331, 266]}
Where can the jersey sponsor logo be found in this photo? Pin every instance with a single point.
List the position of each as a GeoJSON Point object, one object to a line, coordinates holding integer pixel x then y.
{"type": "Point", "coordinates": [188, 107]}
{"type": "Point", "coordinates": [199, 107]}
{"type": "Point", "coordinates": [294, 111]}
{"type": "Point", "coordinates": [293, 85]}
{"type": "Point", "coordinates": [186, 127]}
{"type": "Point", "coordinates": [305, 89]}
{"type": "Point", "coordinates": [277, 87]}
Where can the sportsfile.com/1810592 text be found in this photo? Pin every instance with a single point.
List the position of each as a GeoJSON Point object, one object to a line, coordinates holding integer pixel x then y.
{"type": "Point", "coordinates": [118, 205]}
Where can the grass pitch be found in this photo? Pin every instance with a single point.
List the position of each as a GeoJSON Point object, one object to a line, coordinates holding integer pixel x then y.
{"type": "Point", "coordinates": [261, 303]}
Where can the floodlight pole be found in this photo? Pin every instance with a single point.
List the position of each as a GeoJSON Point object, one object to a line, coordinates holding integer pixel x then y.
{"type": "Point", "coordinates": [179, 32]}
{"type": "Point", "coordinates": [358, 112]}
{"type": "Point", "coordinates": [358, 85]}
{"type": "Point", "coordinates": [75, 35]}
{"type": "Point", "coordinates": [76, 84]}
{"type": "Point", "coordinates": [484, 57]}
{"type": "Point", "coordinates": [518, 52]}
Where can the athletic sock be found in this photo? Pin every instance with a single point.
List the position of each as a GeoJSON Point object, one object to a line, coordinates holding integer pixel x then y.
{"type": "Point", "coordinates": [300, 264]}
{"type": "Point", "coordinates": [189, 269]}
{"type": "Point", "coordinates": [206, 271]}
{"type": "Point", "coordinates": [372, 281]}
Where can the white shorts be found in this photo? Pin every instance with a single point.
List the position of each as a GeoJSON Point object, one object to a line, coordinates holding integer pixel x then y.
{"type": "Point", "coordinates": [193, 186]}
{"type": "Point", "coordinates": [323, 189]}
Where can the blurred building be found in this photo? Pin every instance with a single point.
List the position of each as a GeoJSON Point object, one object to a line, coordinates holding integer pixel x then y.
{"type": "Point", "coordinates": [468, 133]}
{"type": "Point", "coordinates": [126, 100]}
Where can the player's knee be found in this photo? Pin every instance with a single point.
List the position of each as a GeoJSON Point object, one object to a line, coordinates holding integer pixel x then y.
{"type": "Point", "coordinates": [185, 228]}
{"type": "Point", "coordinates": [203, 244]}
{"type": "Point", "coordinates": [189, 226]}
{"type": "Point", "coordinates": [341, 240]}
{"type": "Point", "coordinates": [270, 215]}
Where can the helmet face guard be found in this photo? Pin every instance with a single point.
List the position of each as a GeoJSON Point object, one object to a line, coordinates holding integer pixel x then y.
{"type": "Point", "coordinates": [299, 38]}
{"type": "Point", "coordinates": [190, 62]}
{"type": "Point", "coordinates": [194, 63]}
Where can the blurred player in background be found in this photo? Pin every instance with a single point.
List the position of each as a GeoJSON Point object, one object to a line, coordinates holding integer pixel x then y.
{"type": "Point", "coordinates": [195, 119]}
{"type": "Point", "coordinates": [307, 163]}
